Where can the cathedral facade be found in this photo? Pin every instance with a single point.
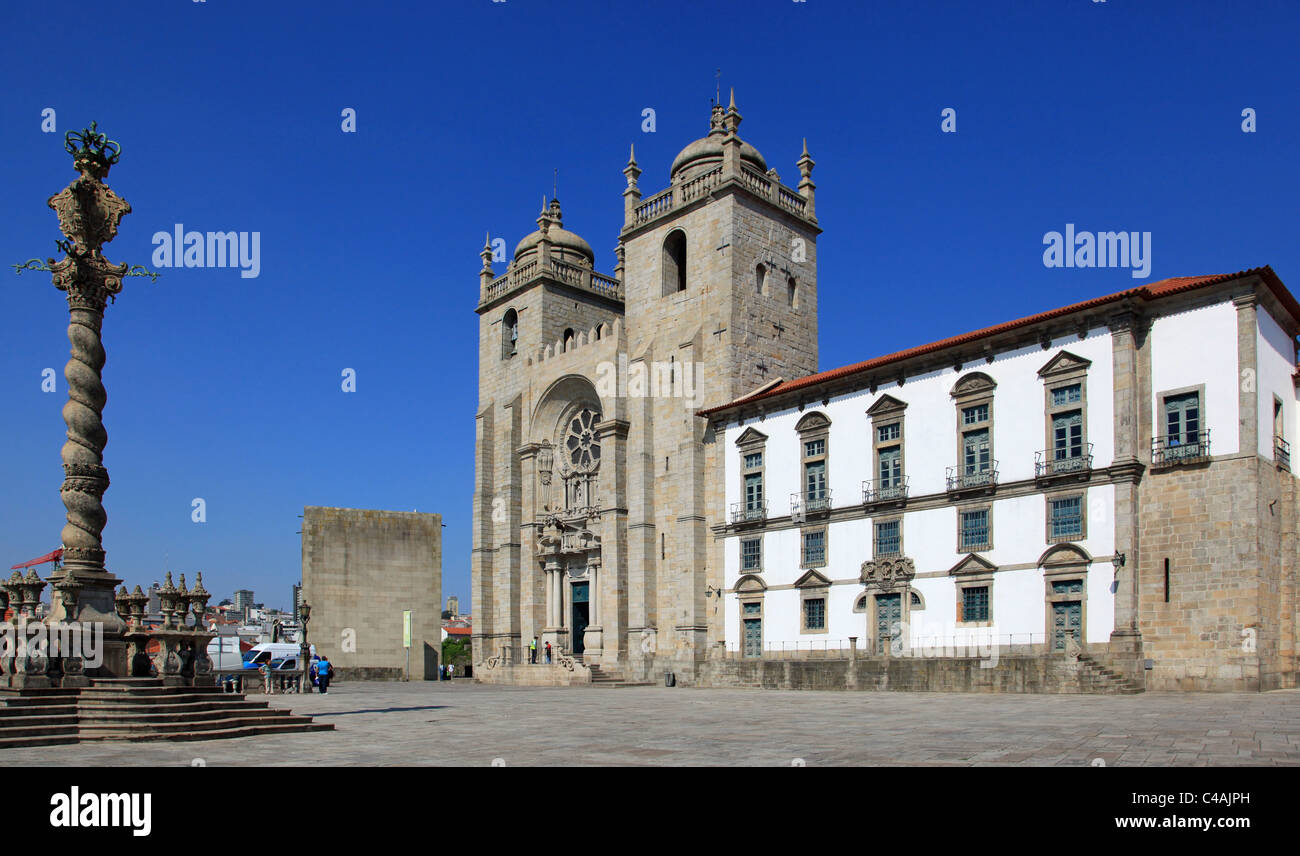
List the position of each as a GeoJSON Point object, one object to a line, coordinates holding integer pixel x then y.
{"type": "Point", "coordinates": [597, 487]}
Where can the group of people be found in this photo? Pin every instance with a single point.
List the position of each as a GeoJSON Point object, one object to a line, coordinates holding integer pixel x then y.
{"type": "Point", "coordinates": [446, 671]}
{"type": "Point", "coordinates": [321, 673]}
{"type": "Point", "coordinates": [532, 651]}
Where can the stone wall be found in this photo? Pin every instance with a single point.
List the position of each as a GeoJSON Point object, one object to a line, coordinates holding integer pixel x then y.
{"type": "Point", "coordinates": [1013, 674]}
{"type": "Point", "coordinates": [360, 570]}
{"type": "Point", "coordinates": [1227, 531]}
{"type": "Point", "coordinates": [534, 675]}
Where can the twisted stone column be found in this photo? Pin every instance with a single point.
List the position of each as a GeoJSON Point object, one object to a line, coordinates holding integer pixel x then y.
{"type": "Point", "coordinates": [85, 477]}
{"type": "Point", "coordinates": [89, 213]}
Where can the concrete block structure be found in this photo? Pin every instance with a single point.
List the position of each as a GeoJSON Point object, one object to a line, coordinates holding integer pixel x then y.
{"type": "Point", "coordinates": [361, 569]}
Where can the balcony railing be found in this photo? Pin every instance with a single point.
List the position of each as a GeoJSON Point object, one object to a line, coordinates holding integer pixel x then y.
{"type": "Point", "coordinates": [748, 512]}
{"type": "Point", "coordinates": [1055, 462]}
{"type": "Point", "coordinates": [1186, 448]}
{"type": "Point", "coordinates": [895, 491]}
{"type": "Point", "coordinates": [1282, 452]}
{"type": "Point", "coordinates": [962, 480]}
{"type": "Point", "coordinates": [813, 502]}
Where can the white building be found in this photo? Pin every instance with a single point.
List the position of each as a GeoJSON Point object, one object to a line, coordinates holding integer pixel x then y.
{"type": "Point", "coordinates": [1098, 471]}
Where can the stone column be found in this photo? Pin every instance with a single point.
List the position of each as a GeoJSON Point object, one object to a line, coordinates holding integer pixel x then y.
{"type": "Point", "coordinates": [1132, 438]}
{"type": "Point", "coordinates": [532, 581]}
{"type": "Point", "coordinates": [594, 637]}
{"type": "Point", "coordinates": [553, 571]}
{"type": "Point", "coordinates": [1248, 428]}
{"type": "Point", "coordinates": [88, 212]}
{"type": "Point", "coordinates": [614, 541]}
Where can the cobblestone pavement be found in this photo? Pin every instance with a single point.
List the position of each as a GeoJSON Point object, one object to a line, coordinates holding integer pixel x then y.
{"type": "Point", "coordinates": [467, 724]}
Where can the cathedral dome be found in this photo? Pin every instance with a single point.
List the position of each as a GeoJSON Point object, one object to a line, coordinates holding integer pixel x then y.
{"type": "Point", "coordinates": [564, 244]}
{"type": "Point", "coordinates": [706, 153]}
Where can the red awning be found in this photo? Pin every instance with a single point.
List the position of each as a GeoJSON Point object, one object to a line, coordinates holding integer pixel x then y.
{"type": "Point", "coordinates": [48, 557]}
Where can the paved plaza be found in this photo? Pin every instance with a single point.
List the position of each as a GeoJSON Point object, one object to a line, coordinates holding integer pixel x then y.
{"type": "Point", "coordinates": [424, 723]}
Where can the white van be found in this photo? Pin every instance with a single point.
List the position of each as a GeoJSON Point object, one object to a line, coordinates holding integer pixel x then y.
{"type": "Point", "coordinates": [268, 651]}
{"type": "Point", "coordinates": [223, 651]}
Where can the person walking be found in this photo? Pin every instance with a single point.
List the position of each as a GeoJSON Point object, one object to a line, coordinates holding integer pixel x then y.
{"type": "Point", "coordinates": [451, 671]}
{"type": "Point", "coordinates": [532, 651]}
{"type": "Point", "coordinates": [548, 652]}
{"type": "Point", "coordinates": [324, 671]}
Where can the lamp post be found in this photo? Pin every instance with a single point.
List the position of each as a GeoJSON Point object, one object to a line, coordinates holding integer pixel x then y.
{"type": "Point", "coordinates": [304, 612]}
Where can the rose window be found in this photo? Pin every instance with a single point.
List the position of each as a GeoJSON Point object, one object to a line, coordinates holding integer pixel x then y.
{"type": "Point", "coordinates": [580, 443]}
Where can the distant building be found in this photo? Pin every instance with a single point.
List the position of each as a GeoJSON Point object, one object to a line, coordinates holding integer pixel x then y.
{"type": "Point", "coordinates": [456, 630]}
{"type": "Point", "coordinates": [453, 606]}
{"type": "Point", "coordinates": [243, 602]}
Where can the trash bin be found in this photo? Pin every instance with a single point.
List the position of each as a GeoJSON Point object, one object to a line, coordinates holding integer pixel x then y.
{"type": "Point", "coordinates": [670, 680]}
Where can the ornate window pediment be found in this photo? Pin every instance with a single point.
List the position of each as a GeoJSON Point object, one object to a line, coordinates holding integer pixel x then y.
{"type": "Point", "coordinates": [750, 584]}
{"type": "Point", "coordinates": [888, 572]}
{"type": "Point", "coordinates": [751, 436]}
{"type": "Point", "coordinates": [1064, 363]}
{"type": "Point", "coordinates": [886, 405]}
{"type": "Point", "coordinates": [973, 563]}
{"type": "Point", "coordinates": [1064, 556]}
{"type": "Point", "coordinates": [815, 421]}
{"type": "Point", "coordinates": [973, 383]}
{"type": "Point", "coordinates": [812, 579]}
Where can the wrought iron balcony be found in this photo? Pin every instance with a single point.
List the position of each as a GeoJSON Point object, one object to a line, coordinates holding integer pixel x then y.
{"type": "Point", "coordinates": [748, 512]}
{"type": "Point", "coordinates": [1282, 452]}
{"type": "Point", "coordinates": [874, 492]}
{"type": "Point", "coordinates": [966, 480]}
{"type": "Point", "coordinates": [1190, 447]}
{"type": "Point", "coordinates": [1056, 462]}
{"type": "Point", "coordinates": [811, 502]}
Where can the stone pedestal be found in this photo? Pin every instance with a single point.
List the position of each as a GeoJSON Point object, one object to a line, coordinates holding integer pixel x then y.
{"type": "Point", "coordinates": [593, 642]}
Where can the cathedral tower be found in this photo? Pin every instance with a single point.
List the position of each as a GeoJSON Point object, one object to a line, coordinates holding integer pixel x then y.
{"type": "Point", "coordinates": [597, 487]}
{"type": "Point", "coordinates": [721, 294]}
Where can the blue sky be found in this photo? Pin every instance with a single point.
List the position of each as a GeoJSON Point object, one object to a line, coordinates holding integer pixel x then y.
{"type": "Point", "coordinates": [1112, 116]}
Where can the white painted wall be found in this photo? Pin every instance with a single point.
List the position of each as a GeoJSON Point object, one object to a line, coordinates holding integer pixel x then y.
{"type": "Point", "coordinates": [1275, 358]}
{"type": "Point", "coordinates": [1199, 347]}
{"type": "Point", "coordinates": [930, 426]}
{"type": "Point", "coordinates": [930, 536]}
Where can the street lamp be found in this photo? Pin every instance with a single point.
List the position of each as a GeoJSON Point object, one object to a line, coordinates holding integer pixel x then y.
{"type": "Point", "coordinates": [304, 613]}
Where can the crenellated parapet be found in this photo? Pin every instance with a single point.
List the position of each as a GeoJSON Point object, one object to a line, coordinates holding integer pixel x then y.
{"type": "Point", "coordinates": [582, 342]}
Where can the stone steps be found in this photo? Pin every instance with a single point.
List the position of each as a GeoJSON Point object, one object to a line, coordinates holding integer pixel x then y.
{"type": "Point", "coordinates": [139, 709]}
{"type": "Point", "coordinates": [132, 728]}
{"type": "Point", "coordinates": [221, 734]}
{"type": "Point", "coordinates": [1104, 680]}
{"type": "Point", "coordinates": [613, 680]}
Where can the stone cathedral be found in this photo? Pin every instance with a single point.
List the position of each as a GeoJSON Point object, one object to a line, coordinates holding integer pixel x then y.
{"type": "Point", "coordinates": [597, 487]}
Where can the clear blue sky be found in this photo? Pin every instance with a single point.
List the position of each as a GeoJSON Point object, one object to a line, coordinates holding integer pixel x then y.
{"type": "Point", "coordinates": [1115, 115]}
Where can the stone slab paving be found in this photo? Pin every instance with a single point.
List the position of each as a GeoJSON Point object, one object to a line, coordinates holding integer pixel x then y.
{"type": "Point", "coordinates": [465, 724]}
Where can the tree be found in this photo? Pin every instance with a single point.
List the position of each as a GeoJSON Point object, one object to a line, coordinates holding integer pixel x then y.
{"type": "Point", "coordinates": [456, 652]}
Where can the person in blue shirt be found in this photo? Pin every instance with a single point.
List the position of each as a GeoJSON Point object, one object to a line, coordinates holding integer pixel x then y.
{"type": "Point", "coordinates": [324, 671]}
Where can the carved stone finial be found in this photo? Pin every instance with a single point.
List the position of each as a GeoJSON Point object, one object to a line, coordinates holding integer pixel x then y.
{"type": "Point", "coordinates": [92, 152]}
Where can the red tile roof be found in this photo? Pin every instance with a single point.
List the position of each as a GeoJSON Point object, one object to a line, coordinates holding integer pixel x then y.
{"type": "Point", "coordinates": [459, 631]}
{"type": "Point", "coordinates": [1152, 291]}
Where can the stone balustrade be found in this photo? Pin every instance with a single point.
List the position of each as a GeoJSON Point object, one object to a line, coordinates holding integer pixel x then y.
{"type": "Point", "coordinates": [579, 277]}
{"type": "Point", "coordinates": [701, 185]}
